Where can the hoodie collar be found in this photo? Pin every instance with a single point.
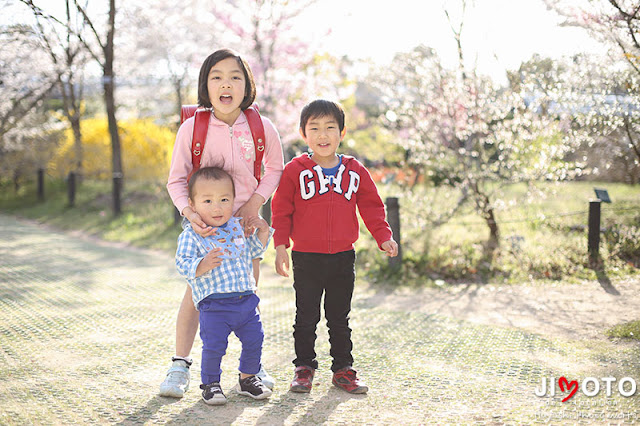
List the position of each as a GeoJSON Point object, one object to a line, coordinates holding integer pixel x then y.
{"type": "Point", "coordinates": [240, 120]}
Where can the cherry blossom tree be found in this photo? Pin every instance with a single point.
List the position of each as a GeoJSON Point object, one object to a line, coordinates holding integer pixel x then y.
{"type": "Point", "coordinates": [600, 100]}
{"type": "Point", "coordinates": [288, 71]}
{"type": "Point", "coordinates": [170, 63]}
{"type": "Point", "coordinates": [59, 39]}
{"type": "Point", "coordinates": [616, 90]}
{"type": "Point", "coordinates": [611, 21]}
{"type": "Point", "coordinates": [26, 79]}
{"type": "Point", "coordinates": [26, 82]}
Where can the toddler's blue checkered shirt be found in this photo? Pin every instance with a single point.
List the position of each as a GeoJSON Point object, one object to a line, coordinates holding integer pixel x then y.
{"type": "Point", "coordinates": [234, 275]}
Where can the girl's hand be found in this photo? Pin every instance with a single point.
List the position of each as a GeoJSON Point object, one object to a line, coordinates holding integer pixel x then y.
{"type": "Point", "coordinates": [282, 261]}
{"type": "Point", "coordinates": [248, 210]}
{"type": "Point", "coordinates": [256, 222]}
{"type": "Point", "coordinates": [198, 225]}
{"type": "Point", "coordinates": [390, 247]}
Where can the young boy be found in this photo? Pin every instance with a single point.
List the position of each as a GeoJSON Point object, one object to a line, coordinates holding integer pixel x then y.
{"type": "Point", "coordinates": [315, 206]}
{"type": "Point", "coordinates": [219, 270]}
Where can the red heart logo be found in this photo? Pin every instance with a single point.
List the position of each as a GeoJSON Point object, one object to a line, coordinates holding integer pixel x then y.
{"type": "Point", "coordinates": [562, 382]}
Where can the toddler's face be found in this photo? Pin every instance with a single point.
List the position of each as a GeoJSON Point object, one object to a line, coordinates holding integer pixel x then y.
{"type": "Point", "coordinates": [213, 200]}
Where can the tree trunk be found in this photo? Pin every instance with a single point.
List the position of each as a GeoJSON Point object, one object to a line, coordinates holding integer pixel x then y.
{"type": "Point", "coordinates": [494, 232]}
{"type": "Point", "coordinates": [77, 144]}
{"type": "Point", "coordinates": [177, 85]}
{"type": "Point", "coordinates": [485, 209]}
{"type": "Point", "coordinates": [108, 81]}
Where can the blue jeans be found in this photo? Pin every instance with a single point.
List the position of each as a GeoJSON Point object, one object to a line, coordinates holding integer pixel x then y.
{"type": "Point", "coordinates": [218, 318]}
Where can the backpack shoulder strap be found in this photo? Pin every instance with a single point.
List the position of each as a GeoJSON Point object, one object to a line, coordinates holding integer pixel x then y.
{"type": "Point", "coordinates": [200, 127]}
{"type": "Point", "coordinates": [257, 133]}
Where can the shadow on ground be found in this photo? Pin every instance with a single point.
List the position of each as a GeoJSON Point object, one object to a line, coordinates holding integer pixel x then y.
{"type": "Point", "coordinates": [86, 331]}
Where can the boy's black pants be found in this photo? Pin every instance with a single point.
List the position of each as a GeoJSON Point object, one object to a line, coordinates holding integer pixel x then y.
{"type": "Point", "coordinates": [334, 275]}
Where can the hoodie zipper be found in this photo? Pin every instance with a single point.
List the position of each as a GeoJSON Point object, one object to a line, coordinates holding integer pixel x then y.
{"type": "Point", "coordinates": [232, 149]}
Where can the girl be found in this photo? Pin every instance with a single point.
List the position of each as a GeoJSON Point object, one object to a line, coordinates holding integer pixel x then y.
{"type": "Point", "coordinates": [226, 84]}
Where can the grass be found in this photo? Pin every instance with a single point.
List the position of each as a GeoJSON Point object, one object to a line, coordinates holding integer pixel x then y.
{"type": "Point", "coordinates": [146, 220]}
{"type": "Point", "coordinates": [628, 330]}
{"type": "Point", "coordinates": [543, 230]}
{"type": "Point", "coordinates": [544, 233]}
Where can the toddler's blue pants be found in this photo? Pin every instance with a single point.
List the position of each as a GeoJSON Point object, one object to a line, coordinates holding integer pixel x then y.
{"type": "Point", "coordinates": [218, 318]}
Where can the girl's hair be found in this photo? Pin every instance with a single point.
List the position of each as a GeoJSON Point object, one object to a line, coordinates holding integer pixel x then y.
{"type": "Point", "coordinates": [214, 58]}
{"type": "Point", "coordinates": [322, 108]}
{"type": "Point", "coordinates": [209, 173]}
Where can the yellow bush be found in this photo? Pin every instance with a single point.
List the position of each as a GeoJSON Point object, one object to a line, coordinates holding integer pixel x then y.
{"type": "Point", "coordinates": [145, 148]}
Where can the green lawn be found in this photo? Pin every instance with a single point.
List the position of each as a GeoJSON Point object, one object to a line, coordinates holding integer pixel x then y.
{"type": "Point", "coordinates": [543, 229]}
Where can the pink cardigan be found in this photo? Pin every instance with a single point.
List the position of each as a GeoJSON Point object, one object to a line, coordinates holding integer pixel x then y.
{"type": "Point", "coordinates": [232, 149]}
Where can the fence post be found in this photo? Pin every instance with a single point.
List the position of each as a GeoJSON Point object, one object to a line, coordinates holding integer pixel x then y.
{"type": "Point", "coordinates": [117, 193]}
{"type": "Point", "coordinates": [594, 233]}
{"type": "Point", "coordinates": [266, 211]}
{"type": "Point", "coordinates": [71, 189]}
{"type": "Point", "coordinates": [393, 216]}
{"type": "Point", "coordinates": [40, 184]}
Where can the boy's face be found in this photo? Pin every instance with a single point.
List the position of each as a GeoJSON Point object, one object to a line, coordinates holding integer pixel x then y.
{"type": "Point", "coordinates": [323, 135]}
{"type": "Point", "coordinates": [213, 200]}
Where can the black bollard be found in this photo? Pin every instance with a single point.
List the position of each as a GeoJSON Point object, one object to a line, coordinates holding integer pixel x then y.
{"type": "Point", "coordinates": [117, 193]}
{"type": "Point", "coordinates": [40, 184]}
{"type": "Point", "coordinates": [71, 188]}
{"type": "Point", "coordinates": [594, 233]}
{"type": "Point", "coordinates": [266, 211]}
{"type": "Point", "coordinates": [393, 216]}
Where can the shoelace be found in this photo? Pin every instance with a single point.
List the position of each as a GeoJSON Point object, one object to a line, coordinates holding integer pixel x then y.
{"type": "Point", "coordinates": [351, 375]}
{"type": "Point", "coordinates": [213, 389]}
{"type": "Point", "coordinates": [304, 374]}
{"type": "Point", "coordinates": [176, 377]}
{"type": "Point", "coordinates": [254, 381]}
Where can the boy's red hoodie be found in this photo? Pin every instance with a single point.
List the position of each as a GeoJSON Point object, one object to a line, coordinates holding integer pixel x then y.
{"type": "Point", "coordinates": [319, 216]}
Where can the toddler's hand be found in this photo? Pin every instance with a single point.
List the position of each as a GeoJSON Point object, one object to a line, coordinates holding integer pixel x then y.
{"type": "Point", "coordinates": [390, 247]}
{"type": "Point", "coordinates": [210, 261]}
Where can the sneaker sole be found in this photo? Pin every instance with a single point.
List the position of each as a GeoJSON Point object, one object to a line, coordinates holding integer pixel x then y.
{"type": "Point", "coordinates": [358, 390]}
{"type": "Point", "coordinates": [172, 393]}
{"type": "Point", "coordinates": [300, 389]}
{"type": "Point", "coordinates": [213, 401]}
{"type": "Point", "coordinates": [261, 396]}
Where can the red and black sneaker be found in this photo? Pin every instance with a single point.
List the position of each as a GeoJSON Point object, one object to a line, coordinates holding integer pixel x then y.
{"type": "Point", "coordinates": [346, 379]}
{"type": "Point", "coordinates": [303, 379]}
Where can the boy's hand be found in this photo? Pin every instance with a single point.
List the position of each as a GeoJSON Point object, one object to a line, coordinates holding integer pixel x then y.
{"type": "Point", "coordinates": [210, 261]}
{"type": "Point", "coordinates": [390, 247]}
{"type": "Point", "coordinates": [197, 224]}
{"type": "Point", "coordinates": [282, 261]}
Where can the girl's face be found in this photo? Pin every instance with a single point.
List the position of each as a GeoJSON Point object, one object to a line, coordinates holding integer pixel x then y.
{"type": "Point", "coordinates": [226, 86]}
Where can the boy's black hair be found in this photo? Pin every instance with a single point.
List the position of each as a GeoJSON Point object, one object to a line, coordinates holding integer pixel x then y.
{"type": "Point", "coordinates": [322, 108]}
{"type": "Point", "coordinates": [209, 173]}
{"type": "Point", "coordinates": [214, 58]}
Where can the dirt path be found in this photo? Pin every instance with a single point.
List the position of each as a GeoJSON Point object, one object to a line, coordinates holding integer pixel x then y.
{"type": "Point", "coordinates": [570, 311]}
{"type": "Point", "coordinates": [86, 330]}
